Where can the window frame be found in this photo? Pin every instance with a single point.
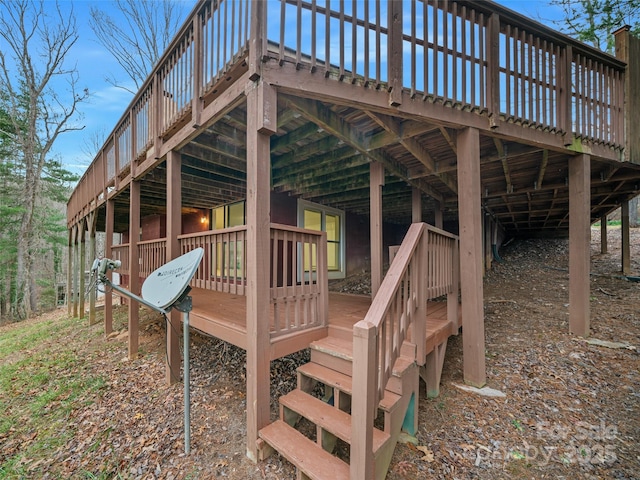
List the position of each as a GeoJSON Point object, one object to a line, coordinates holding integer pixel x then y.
{"type": "Point", "coordinates": [324, 210]}
{"type": "Point", "coordinates": [228, 254]}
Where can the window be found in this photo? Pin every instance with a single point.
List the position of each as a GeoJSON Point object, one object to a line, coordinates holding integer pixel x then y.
{"type": "Point", "coordinates": [313, 216]}
{"type": "Point", "coordinates": [229, 256]}
{"type": "Point", "coordinates": [226, 216]}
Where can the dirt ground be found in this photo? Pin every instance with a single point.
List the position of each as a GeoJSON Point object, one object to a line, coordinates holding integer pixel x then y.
{"type": "Point", "coordinates": [571, 409]}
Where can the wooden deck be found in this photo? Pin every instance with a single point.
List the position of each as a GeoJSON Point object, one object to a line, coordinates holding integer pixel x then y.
{"type": "Point", "coordinates": [223, 316]}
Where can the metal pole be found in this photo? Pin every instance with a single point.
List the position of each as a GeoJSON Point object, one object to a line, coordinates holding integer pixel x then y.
{"type": "Point", "coordinates": [187, 399]}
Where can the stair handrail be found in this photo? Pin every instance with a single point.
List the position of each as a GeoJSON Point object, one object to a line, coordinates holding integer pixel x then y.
{"type": "Point", "coordinates": [417, 273]}
{"type": "Point", "coordinates": [377, 340]}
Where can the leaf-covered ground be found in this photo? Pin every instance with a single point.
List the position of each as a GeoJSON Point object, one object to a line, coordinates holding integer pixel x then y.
{"type": "Point", "coordinates": [571, 410]}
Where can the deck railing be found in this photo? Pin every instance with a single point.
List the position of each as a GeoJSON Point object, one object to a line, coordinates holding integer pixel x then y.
{"type": "Point", "coordinates": [214, 39]}
{"type": "Point", "coordinates": [299, 281]}
{"type": "Point", "coordinates": [152, 255]}
{"type": "Point", "coordinates": [424, 267]}
{"type": "Point", "coordinates": [469, 55]}
{"type": "Point", "coordinates": [460, 53]}
{"type": "Point", "coordinates": [299, 284]}
{"type": "Point", "coordinates": [121, 252]}
{"type": "Point", "coordinates": [223, 267]}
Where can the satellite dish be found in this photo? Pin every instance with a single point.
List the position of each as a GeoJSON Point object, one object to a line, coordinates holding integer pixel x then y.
{"type": "Point", "coordinates": [168, 283]}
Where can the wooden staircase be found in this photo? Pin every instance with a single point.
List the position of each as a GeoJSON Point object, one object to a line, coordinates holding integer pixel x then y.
{"type": "Point", "coordinates": [321, 408]}
{"type": "Point", "coordinates": [360, 388]}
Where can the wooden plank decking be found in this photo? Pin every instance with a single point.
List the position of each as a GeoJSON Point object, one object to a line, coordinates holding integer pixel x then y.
{"type": "Point", "coordinates": [223, 316]}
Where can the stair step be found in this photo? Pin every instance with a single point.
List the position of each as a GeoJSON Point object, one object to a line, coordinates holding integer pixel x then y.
{"type": "Point", "coordinates": [337, 354]}
{"type": "Point", "coordinates": [341, 332]}
{"type": "Point", "coordinates": [342, 382]}
{"type": "Point", "coordinates": [306, 455]}
{"type": "Point", "coordinates": [336, 346]}
{"type": "Point", "coordinates": [329, 418]}
{"type": "Point", "coordinates": [343, 348]}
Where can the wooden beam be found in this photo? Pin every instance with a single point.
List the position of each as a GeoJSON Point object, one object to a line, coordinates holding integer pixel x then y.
{"type": "Point", "coordinates": [174, 228]}
{"type": "Point", "coordinates": [410, 128]}
{"type": "Point", "coordinates": [134, 266]}
{"type": "Point", "coordinates": [207, 155]}
{"type": "Point", "coordinates": [299, 82]}
{"type": "Point", "coordinates": [294, 136]}
{"type": "Point", "coordinates": [543, 168]}
{"type": "Point", "coordinates": [261, 102]}
{"type": "Point", "coordinates": [471, 264]}
{"type": "Point", "coordinates": [505, 164]}
{"type": "Point", "coordinates": [393, 126]}
{"type": "Point", "coordinates": [579, 244]}
{"type": "Point", "coordinates": [324, 171]}
{"type": "Point", "coordinates": [303, 153]}
{"type": "Point", "coordinates": [449, 138]}
{"type": "Point", "coordinates": [215, 144]}
{"type": "Point", "coordinates": [514, 151]}
{"type": "Point", "coordinates": [326, 181]}
{"type": "Point", "coordinates": [336, 126]}
{"type": "Point", "coordinates": [376, 182]}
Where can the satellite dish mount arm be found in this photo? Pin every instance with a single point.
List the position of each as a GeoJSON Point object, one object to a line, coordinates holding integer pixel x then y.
{"type": "Point", "coordinates": [181, 302]}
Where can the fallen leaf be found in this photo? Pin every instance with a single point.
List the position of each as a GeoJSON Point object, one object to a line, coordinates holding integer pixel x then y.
{"type": "Point", "coordinates": [428, 454]}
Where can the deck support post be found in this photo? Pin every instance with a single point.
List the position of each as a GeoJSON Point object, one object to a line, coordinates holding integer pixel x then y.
{"type": "Point", "coordinates": [108, 297]}
{"type": "Point", "coordinates": [376, 182]}
{"type": "Point", "coordinates": [91, 225]}
{"type": "Point", "coordinates": [471, 263]}
{"type": "Point", "coordinates": [579, 244]}
{"type": "Point", "coordinates": [81, 265]}
{"type": "Point", "coordinates": [75, 270]}
{"type": "Point", "coordinates": [625, 238]}
{"type": "Point", "coordinates": [604, 247]}
{"type": "Point", "coordinates": [488, 230]}
{"type": "Point", "coordinates": [431, 372]}
{"type": "Point", "coordinates": [416, 205]}
{"type": "Point", "coordinates": [261, 124]}
{"type": "Point", "coordinates": [174, 228]}
{"type": "Point", "coordinates": [134, 265]}
{"type": "Point", "coordinates": [438, 220]}
{"type": "Point", "coordinates": [69, 271]}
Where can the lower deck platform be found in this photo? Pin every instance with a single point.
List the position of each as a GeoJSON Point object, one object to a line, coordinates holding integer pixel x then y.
{"type": "Point", "coordinates": [223, 315]}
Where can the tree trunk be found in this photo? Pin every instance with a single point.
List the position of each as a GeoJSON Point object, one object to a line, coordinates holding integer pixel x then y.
{"type": "Point", "coordinates": [633, 212]}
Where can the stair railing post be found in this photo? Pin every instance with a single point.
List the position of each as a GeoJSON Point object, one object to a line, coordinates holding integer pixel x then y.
{"type": "Point", "coordinates": [420, 321]}
{"type": "Point", "coordinates": [364, 400]}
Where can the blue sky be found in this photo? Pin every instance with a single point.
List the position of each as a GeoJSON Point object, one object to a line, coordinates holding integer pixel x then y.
{"type": "Point", "coordinates": [107, 103]}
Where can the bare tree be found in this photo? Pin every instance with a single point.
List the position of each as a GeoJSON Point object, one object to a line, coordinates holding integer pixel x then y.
{"type": "Point", "coordinates": [92, 143]}
{"type": "Point", "coordinates": [594, 21]}
{"type": "Point", "coordinates": [137, 43]}
{"type": "Point", "coordinates": [35, 44]}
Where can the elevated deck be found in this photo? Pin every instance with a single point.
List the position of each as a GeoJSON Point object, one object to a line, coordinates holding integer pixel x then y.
{"type": "Point", "coordinates": [223, 315]}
